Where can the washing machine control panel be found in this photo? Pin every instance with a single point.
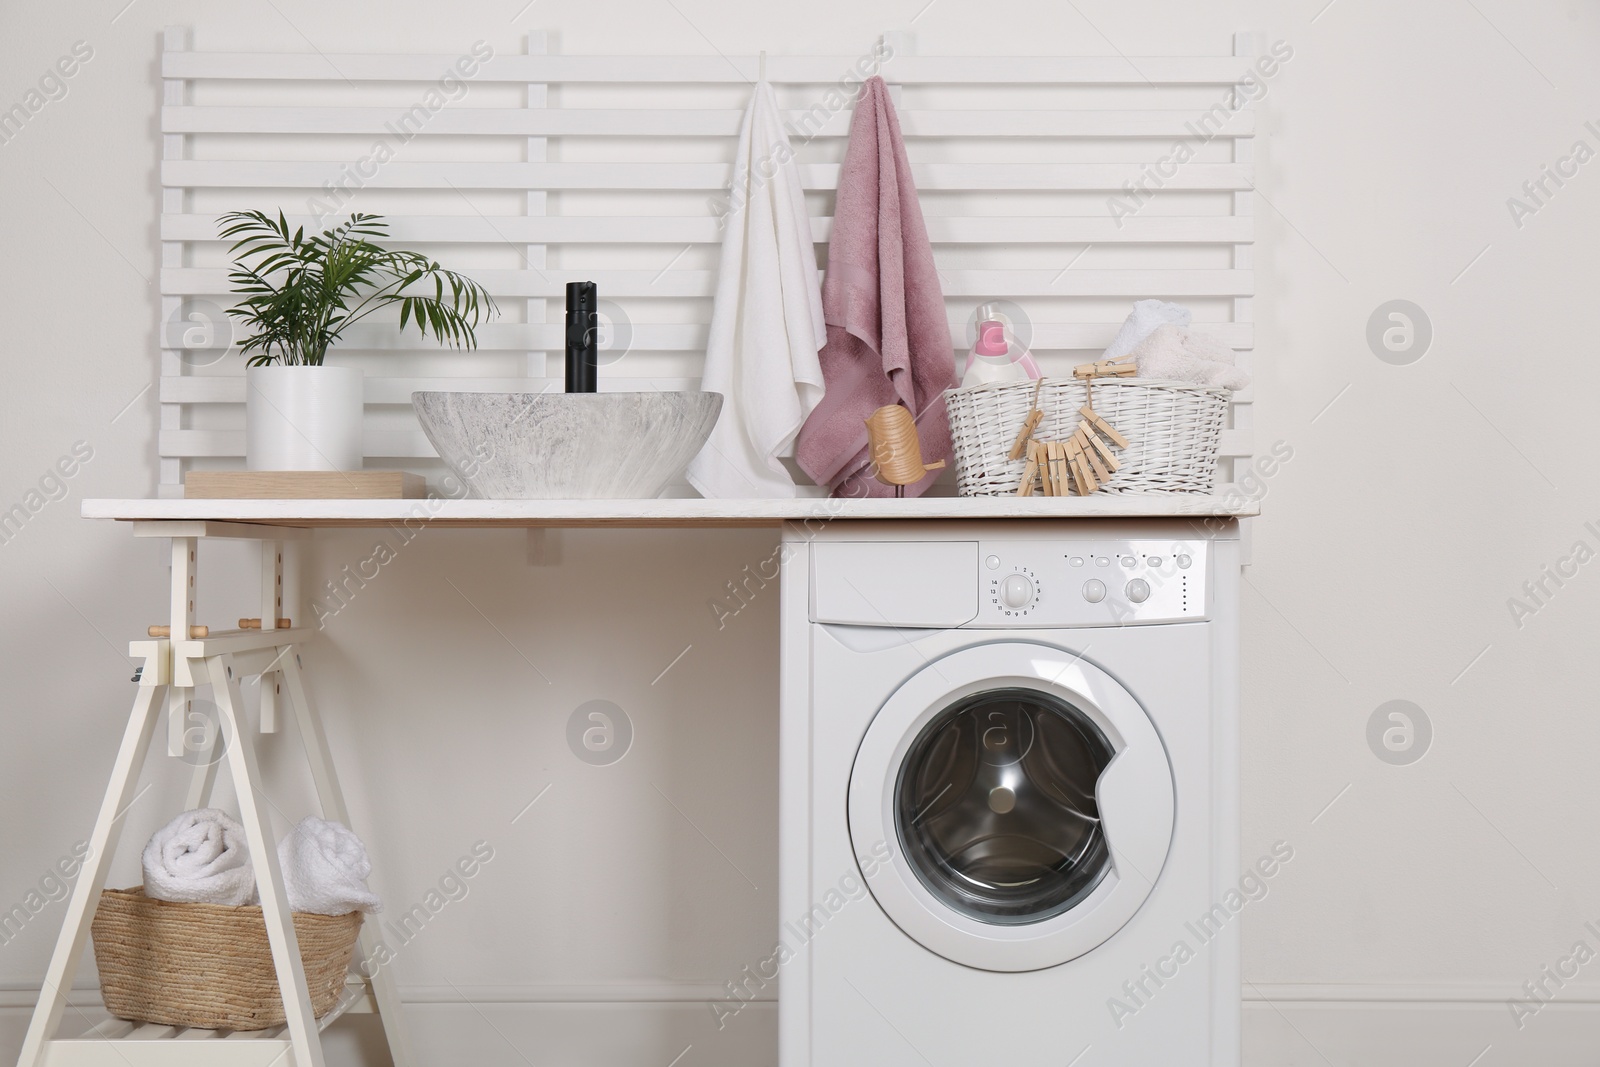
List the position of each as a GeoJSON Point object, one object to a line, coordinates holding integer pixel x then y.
{"type": "Point", "coordinates": [1091, 583]}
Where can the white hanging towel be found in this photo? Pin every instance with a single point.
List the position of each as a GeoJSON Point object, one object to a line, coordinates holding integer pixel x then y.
{"type": "Point", "coordinates": [766, 325]}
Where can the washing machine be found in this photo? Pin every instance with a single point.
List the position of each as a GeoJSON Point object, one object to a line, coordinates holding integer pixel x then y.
{"type": "Point", "coordinates": [1009, 795]}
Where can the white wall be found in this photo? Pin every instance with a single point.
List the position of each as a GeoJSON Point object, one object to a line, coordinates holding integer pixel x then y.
{"type": "Point", "coordinates": [1418, 500]}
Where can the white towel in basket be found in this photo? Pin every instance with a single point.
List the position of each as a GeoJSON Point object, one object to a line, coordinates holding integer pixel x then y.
{"type": "Point", "coordinates": [1147, 316]}
{"type": "Point", "coordinates": [325, 869]}
{"type": "Point", "coordinates": [200, 858]}
{"type": "Point", "coordinates": [1183, 355]}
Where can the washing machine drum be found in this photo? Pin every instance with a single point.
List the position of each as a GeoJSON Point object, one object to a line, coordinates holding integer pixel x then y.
{"type": "Point", "coordinates": [1026, 800]}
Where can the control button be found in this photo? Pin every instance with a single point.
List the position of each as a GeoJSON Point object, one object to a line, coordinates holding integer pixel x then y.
{"type": "Point", "coordinates": [993, 563]}
{"type": "Point", "coordinates": [1094, 590]}
{"type": "Point", "coordinates": [1128, 561]}
{"type": "Point", "coordinates": [1183, 562]}
{"type": "Point", "coordinates": [1138, 591]}
{"type": "Point", "coordinates": [1016, 591]}
{"type": "Point", "coordinates": [1154, 561]}
{"type": "Point", "coordinates": [1102, 561]}
{"type": "Point", "coordinates": [1076, 561]}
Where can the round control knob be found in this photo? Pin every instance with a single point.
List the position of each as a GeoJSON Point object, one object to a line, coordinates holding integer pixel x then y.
{"type": "Point", "coordinates": [1094, 590]}
{"type": "Point", "coordinates": [1016, 591]}
{"type": "Point", "coordinates": [1138, 591]}
{"type": "Point", "coordinates": [1183, 562]}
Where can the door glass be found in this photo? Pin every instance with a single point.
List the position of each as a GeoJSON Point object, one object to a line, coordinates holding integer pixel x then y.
{"type": "Point", "coordinates": [995, 806]}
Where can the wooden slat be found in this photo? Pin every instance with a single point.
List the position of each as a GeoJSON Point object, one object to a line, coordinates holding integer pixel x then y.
{"type": "Point", "coordinates": [217, 389]}
{"type": "Point", "coordinates": [1241, 412]}
{"type": "Point", "coordinates": [692, 337]}
{"type": "Point", "coordinates": [174, 93]}
{"type": "Point", "coordinates": [687, 122]}
{"type": "Point", "coordinates": [229, 389]}
{"type": "Point", "coordinates": [270, 1033]}
{"type": "Point", "coordinates": [705, 229]}
{"type": "Point", "coordinates": [376, 444]}
{"type": "Point", "coordinates": [516, 336]}
{"type": "Point", "coordinates": [1068, 70]}
{"type": "Point", "coordinates": [414, 444]}
{"type": "Point", "coordinates": [100, 1053]}
{"type": "Point", "coordinates": [706, 70]}
{"type": "Point", "coordinates": [930, 177]}
{"type": "Point", "coordinates": [644, 284]}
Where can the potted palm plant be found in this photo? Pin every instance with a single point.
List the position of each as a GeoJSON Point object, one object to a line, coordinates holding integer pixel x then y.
{"type": "Point", "coordinates": [298, 295]}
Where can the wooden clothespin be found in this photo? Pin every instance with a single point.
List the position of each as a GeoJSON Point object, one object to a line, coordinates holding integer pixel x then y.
{"type": "Point", "coordinates": [1101, 426]}
{"type": "Point", "coordinates": [1086, 442]}
{"type": "Point", "coordinates": [1080, 469]}
{"type": "Point", "coordinates": [1105, 368]}
{"type": "Point", "coordinates": [1083, 463]}
{"type": "Point", "coordinates": [1101, 449]}
{"type": "Point", "coordinates": [1060, 469]}
{"type": "Point", "coordinates": [1029, 424]}
{"type": "Point", "coordinates": [1030, 475]}
{"type": "Point", "coordinates": [1093, 463]}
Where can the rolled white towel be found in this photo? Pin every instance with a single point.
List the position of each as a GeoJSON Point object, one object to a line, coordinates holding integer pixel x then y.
{"type": "Point", "coordinates": [325, 869]}
{"type": "Point", "coordinates": [200, 858]}
{"type": "Point", "coordinates": [1177, 353]}
{"type": "Point", "coordinates": [1147, 317]}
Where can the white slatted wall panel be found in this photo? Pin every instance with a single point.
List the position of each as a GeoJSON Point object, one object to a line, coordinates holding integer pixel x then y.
{"type": "Point", "coordinates": [548, 168]}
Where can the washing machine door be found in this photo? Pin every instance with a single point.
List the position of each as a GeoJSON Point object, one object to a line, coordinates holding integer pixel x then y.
{"type": "Point", "coordinates": [1027, 802]}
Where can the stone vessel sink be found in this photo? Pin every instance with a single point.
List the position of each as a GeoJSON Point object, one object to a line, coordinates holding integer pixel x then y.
{"type": "Point", "coordinates": [567, 446]}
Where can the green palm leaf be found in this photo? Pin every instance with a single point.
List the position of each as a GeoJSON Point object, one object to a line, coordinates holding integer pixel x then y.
{"type": "Point", "coordinates": [299, 294]}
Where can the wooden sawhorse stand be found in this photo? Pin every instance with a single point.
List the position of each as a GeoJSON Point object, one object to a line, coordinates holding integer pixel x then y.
{"type": "Point", "coordinates": [174, 666]}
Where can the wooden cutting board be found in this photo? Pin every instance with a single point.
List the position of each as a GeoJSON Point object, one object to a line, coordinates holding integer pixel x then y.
{"type": "Point", "coordinates": [303, 485]}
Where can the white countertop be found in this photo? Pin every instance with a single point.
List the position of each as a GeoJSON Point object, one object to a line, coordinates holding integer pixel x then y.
{"type": "Point", "coordinates": [663, 512]}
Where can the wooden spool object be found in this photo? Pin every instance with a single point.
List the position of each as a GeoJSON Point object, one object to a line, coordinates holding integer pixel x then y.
{"type": "Point", "coordinates": [895, 450]}
{"type": "Point", "coordinates": [255, 624]}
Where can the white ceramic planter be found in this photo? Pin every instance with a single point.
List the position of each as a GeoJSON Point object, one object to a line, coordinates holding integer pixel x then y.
{"type": "Point", "coordinates": [303, 418]}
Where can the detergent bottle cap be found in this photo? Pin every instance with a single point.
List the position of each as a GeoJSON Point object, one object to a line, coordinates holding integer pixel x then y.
{"type": "Point", "coordinates": [992, 339]}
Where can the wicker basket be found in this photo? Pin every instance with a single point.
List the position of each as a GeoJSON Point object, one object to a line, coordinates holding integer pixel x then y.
{"type": "Point", "coordinates": [1173, 431]}
{"type": "Point", "coordinates": [208, 965]}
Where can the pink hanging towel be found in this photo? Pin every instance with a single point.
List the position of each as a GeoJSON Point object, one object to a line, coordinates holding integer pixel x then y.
{"type": "Point", "coordinates": [888, 338]}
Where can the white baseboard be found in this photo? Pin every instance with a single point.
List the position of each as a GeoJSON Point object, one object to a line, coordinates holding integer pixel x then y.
{"type": "Point", "coordinates": [1316, 1033]}
{"type": "Point", "coordinates": [623, 1025]}
{"type": "Point", "coordinates": [19, 995]}
{"type": "Point", "coordinates": [1409, 993]}
{"type": "Point", "coordinates": [609, 1025]}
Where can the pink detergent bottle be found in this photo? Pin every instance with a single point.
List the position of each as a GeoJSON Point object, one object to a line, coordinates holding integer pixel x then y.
{"type": "Point", "coordinates": [997, 357]}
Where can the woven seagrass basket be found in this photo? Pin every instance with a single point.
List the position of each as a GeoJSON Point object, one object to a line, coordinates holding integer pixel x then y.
{"type": "Point", "coordinates": [208, 965]}
{"type": "Point", "coordinates": [1173, 431]}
